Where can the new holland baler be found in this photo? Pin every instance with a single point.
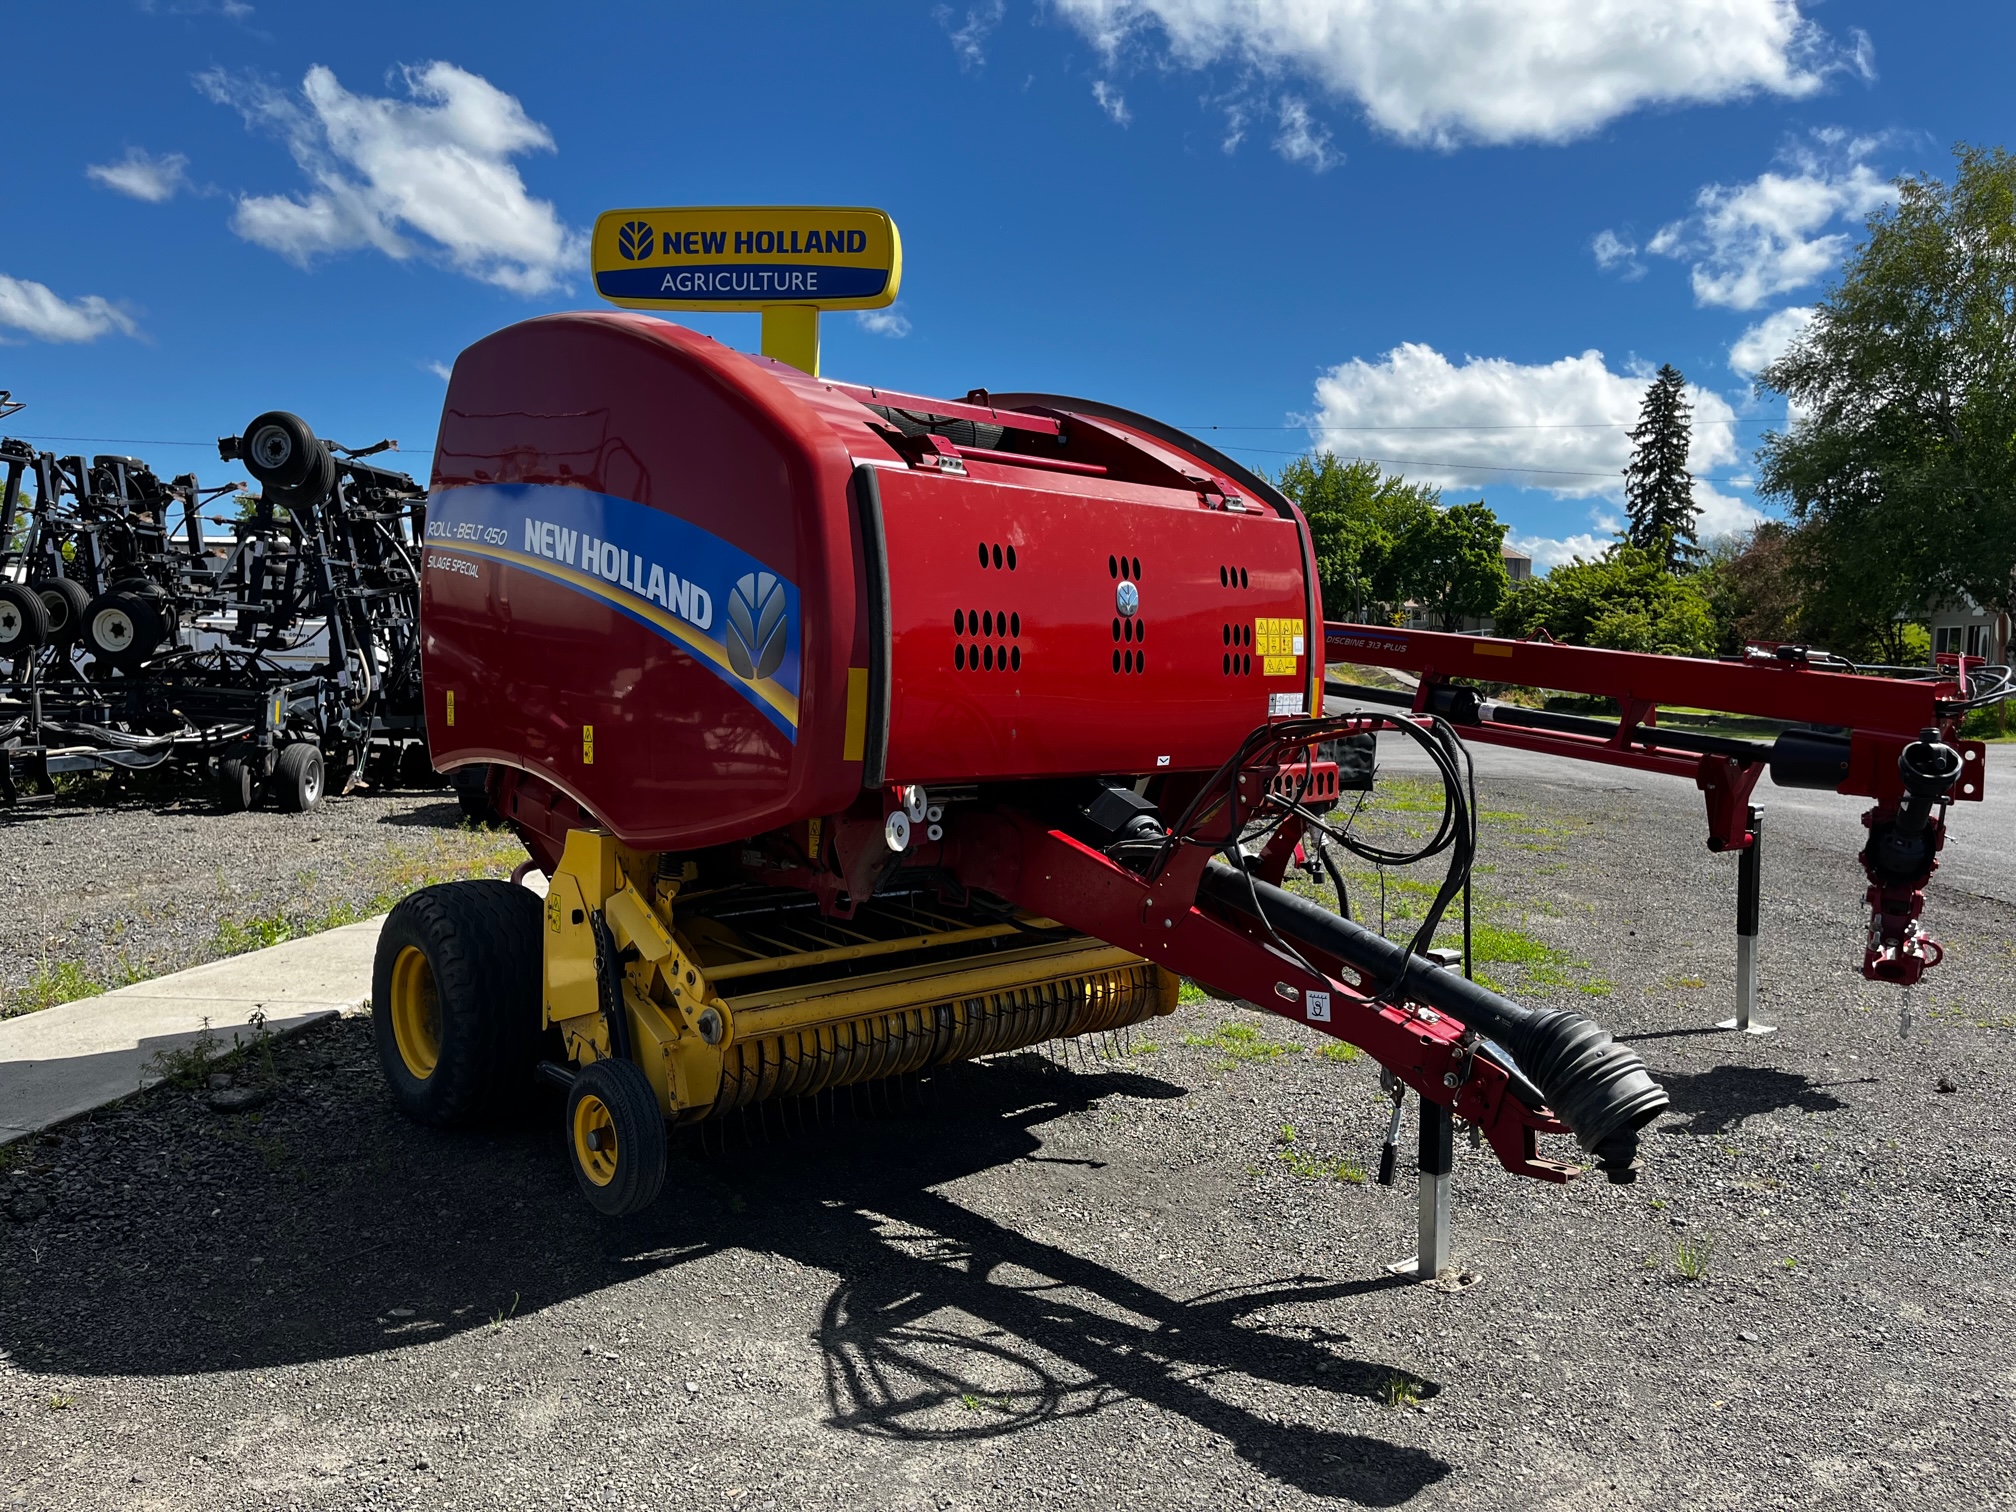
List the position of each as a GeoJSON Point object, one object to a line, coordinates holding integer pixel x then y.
{"type": "Point", "coordinates": [859, 732]}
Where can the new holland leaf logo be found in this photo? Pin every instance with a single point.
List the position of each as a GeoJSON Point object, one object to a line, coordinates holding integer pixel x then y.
{"type": "Point", "coordinates": [634, 239]}
{"type": "Point", "coordinates": [755, 638]}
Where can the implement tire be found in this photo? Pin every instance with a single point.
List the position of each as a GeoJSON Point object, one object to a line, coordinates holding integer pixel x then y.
{"type": "Point", "coordinates": [455, 1000]}
{"type": "Point", "coordinates": [615, 1137]}
{"type": "Point", "coordinates": [64, 600]}
{"type": "Point", "coordinates": [24, 620]}
{"type": "Point", "coordinates": [237, 787]}
{"type": "Point", "coordinates": [298, 777]}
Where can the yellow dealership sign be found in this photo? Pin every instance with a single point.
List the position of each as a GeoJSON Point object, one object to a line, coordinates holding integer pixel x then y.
{"type": "Point", "coordinates": [788, 261]}
{"type": "Point", "coordinates": [747, 258]}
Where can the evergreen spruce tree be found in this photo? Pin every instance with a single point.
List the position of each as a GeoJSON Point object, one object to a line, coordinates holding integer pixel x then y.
{"type": "Point", "coordinates": [1658, 489]}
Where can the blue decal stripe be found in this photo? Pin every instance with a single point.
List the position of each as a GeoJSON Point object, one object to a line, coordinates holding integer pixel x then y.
{"type": "Point", "coordinates": [779, 703]}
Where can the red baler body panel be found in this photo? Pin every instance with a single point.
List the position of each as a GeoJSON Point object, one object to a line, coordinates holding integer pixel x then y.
{"type": "Point", "coordinates": [707, 596]}
{"type": "Point", "coordinates": [1053, 679]}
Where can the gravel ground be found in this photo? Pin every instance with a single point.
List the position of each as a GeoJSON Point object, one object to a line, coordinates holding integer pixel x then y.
{"type": "Point", "coordinates": [98, 890]}
{"type": "Point", "coordinates": [1036, 1284]}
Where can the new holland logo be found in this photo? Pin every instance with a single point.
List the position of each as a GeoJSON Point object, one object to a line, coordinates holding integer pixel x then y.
{"type": "Point", "coordinates": [755, 638]}
{"type": "Point", "coordinates": [635, 239]}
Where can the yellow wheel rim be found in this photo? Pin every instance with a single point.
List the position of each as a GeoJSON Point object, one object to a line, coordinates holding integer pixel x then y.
{"type": "Point", "coordinates": [416, 1013]}
{"type": "Point", "coordinates": [595, 1139]}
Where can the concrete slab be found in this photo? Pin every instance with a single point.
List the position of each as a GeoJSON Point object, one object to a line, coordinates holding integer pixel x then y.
{"type": "Point", "coordinates": [78, 1056]}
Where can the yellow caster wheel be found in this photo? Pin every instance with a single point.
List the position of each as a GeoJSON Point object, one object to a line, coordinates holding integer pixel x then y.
{"type": "Point", "coordinates": [616, 1137]}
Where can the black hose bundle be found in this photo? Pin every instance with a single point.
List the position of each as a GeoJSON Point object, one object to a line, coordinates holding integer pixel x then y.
{"type": "Point", "coordinates": [1596, 1086]}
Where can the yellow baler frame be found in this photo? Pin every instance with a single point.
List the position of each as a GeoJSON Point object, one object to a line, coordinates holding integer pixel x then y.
{"type": "Point", "coordinates": [707, 1048]}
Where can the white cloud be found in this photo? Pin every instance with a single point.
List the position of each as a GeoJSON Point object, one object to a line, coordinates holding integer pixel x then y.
{"type": "Point", "coordinates": [144, 177]}
{"type": "Point", "coordinates": [1303, 139]}
{"type": "Point", "coordinates": [969, 38]}
{"type": "Point", "coordinates": [1112, 102]}
{"type": "Point", "coordinates": [431, 174]}
{"type": "Point", "coordinates": [889, 322]}
{"type": "Point", "coordinates": [1720, 514]}
{"type": "Point", "coordinates": [440, 370]}
{"type": "Point", "coordinates": [1765, 342]}
{"type": "Point", "coordinates": [1613, 251]}
{"type": "Point", "coordinates": [1750, 242]}
{"type": "Point", "coordinates": [1447, 71]}
{"type": "Point", "coordinates": [1549, 552]}
{"type": "Point", "coordinates": [36, 310]}
{"type": "Point", "coordinates": [1559, 426]}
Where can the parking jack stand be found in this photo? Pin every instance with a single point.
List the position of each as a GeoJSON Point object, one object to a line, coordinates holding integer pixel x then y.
{"type": "Point", "coordinates": [1437, 1161]}
{"type": "Point", "coordinates": [1749, 894]}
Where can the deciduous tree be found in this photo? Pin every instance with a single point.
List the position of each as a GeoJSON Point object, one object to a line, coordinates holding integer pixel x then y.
{"type": "Point", "coordinates": [1902, 449]}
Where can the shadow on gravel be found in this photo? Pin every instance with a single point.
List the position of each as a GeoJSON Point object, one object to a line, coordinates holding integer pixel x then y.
{"type": "Point", "coordinates": [178, 1241]}
{"type": "Point", "coordinates": [447, 815]}
{"type": "Point", "coordinates": [1720, 1099]}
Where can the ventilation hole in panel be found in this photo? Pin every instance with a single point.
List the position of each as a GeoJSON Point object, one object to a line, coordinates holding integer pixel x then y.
{"type": "Point", "coordinates": [1242, 577]}
{"type": "Point", "coordinates": [1015, 624]}
{"type": "Point", "coordinates": [1116, 627]}
{"type": "Point", "coordinates": [1116, 661]}
{"type": "Point", "coordinates": [983, 553]}
{"type": "Point", "coordinates": [987, 656]}
{"type": "Point", "coordinates": [1015, 657]}
{"type": "Point", "coordinates": [958, 621]}
{"type": "Point", "coordinates": [987, 623]}
{"type": "Point", "coordinates": [959, 657]}
{"type": "Point", "coordinates": [997, 556]}
{"type": "Point", "coordinates": [1011, 558]}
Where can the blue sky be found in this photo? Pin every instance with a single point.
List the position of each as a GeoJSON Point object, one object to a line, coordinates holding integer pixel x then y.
{"type": "Point", "coordinates": [1406, 223]}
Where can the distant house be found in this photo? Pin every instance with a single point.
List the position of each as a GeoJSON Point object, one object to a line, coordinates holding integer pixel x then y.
{"type": "Point", "coordinates": [1518, 569]}
{"type": "Point", "coordinates": [1964, 628]}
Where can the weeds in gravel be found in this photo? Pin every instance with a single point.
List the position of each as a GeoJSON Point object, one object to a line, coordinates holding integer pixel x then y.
{"type": "Point", "coordinates": [1313, 1167]}
{"type": "Point", "coordinates": [58, 1401]}
{"type": "Point", "coordinates": [1339, 1052]}
{"type": "Point", "coordinates": [1691, 1256]}
{"type": "Point", "coordinates": [1240, 1044]}
{"type": "Point", "coordinates": [446, 856]}
{"type": "Point", "coordinates": [1401, 1390]}
{"type": "Point", "coordinates": [1190, 993]}
{"type": "Point", "coordinates": [1146, 1047]}
{"type": "Point", "coordinates": [504, 1315]}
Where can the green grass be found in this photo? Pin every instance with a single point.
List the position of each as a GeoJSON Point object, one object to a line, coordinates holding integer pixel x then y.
{"type": "Point", "coordinates": [1314, 1167]}
{"type": "Point", "coordinates": [1339, 1051]}
{"type": "Point", "coordinates": [1190, 993]}
{"type": "Point", "coordinates": [1402, 1390]}
{"type": "Point", "coordinates": [403, 867]}
{"type": "Point", "coordinates": [446, 856]}
{"type": "Point", "coordinates": [1240, 1044]}
{"type": "Point", "coordinates": [1691, 1256]}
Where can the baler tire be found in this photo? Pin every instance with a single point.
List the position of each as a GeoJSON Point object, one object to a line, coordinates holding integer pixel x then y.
{"type": "Point", "coordinates": [416, 768]}
{"type": "Point", "coordinates": [300, 777]}
{"type": "Point", "coordinates": [236, 787]}
{"type": "Point", "coordinates": [455, 1000]}
{"type": "Point", "coordinates": [612, 1100]}
{"type": "Point", "coordinates": [64, 600]}
{"type": "Point", "coordinates": [472, 792]}
{"type": "Point", "coordinates": [24, 620]}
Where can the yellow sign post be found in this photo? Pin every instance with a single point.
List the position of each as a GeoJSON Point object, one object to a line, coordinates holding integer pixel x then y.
{"type": "Point", "coordinates": [788, 261]}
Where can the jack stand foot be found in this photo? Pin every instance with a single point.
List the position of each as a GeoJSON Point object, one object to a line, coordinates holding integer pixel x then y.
{"type": "Point", "coordinates": [1438, 1159]}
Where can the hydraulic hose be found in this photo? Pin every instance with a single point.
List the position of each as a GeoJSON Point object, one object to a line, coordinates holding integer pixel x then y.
{"type": "Point", "coordinates": [1596, 1086]}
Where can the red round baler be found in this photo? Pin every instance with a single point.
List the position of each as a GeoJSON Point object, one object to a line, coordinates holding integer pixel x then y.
{"type": "Point", "coordinates": [859, 731]}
